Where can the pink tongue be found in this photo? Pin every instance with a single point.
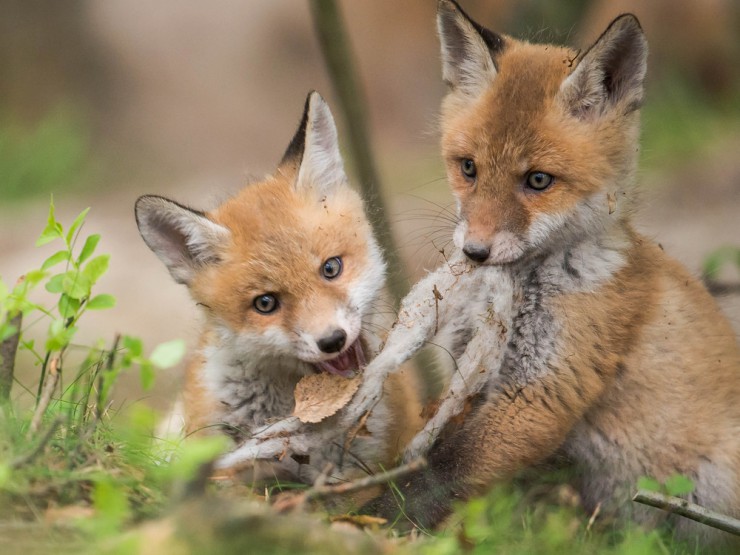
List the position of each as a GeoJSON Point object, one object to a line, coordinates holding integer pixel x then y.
{"type": "Point", "coordinates": [345, 363]}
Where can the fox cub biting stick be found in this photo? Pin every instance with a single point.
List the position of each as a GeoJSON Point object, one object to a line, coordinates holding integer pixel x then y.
{"type": "Point", "coordinates": [286, 273]}
{"type": "Point", "coordinates": [616, 359]}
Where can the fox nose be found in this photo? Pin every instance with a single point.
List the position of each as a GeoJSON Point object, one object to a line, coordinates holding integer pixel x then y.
{"type": "Point", "coordinates": [332, 343]}
{"type": "Point", "coordinates": [477, 252]}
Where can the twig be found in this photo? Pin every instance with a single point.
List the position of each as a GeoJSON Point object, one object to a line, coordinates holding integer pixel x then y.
{"type": "Point", "coordinates": [31, 455]}
{"type": "Point", "coordinates": [52, 378]}
{"type": "Point", "coordinates": [8, 349]}
{"type": "Point", "coordinates": [689, 510]}
{"type": "Point", "coordinates": [364, 483]}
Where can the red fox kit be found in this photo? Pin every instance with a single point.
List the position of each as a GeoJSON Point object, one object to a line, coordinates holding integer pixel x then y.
{"type": "Point", "coordinates": [286, 273]}
{"type": "Point", "coordinates": [618, 360]}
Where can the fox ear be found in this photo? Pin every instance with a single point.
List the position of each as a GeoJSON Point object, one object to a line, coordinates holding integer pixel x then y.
{"type": "Point", "coordinates": [316, 146]}
{"type": "Point", "coordinates": [611, 72]}
{"type": "Point", "coordinates": [467, 50]}
{"type": "Point", "coordinates": [184, 239]}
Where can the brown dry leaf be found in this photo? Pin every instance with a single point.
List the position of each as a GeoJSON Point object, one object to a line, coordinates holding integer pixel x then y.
{"type": "Point", "coordinates": [318, 396]}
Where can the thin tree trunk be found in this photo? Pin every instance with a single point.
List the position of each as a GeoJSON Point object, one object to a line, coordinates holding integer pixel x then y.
{"type": "Point", "coordinates": [337, 53]}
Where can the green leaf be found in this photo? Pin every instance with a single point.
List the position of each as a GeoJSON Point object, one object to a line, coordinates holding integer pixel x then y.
{"type": "Point", "coordinates": [194, 453]}
{"type": "Point", "coordinates": [111, 504]}
{"type": "Point", "coordinates": [649, 484]}
{"type": "Point", "coordinates": [678, 484]}
{"type": "Point", "coordinates": [146, 375]}
{"type": "Point", "coordinates": [53, 229]}
{"type": "Point", "coordinates": [55, 284]}
{"type": "Point", "coordinates": [59, 336]}
{"type": "Point", "coordinates": [34, 276]}
{"type": "Point", "coordinates": [133, 345]}
{"type": "Point", "coordinates": [101, 302]}
{"type": "Point", "coordinates": [54, 259]}
{"type": "Point", "coordinates": [3, 291]}
{"type": "Point", "coordinates": [718, 258]}
{"type": "Point", "coordinates": [68, 306]}
{"type": "Point", "coordinates": [76, 224]}
{"type": "Point", "coordinates": [96, 268]}
{"type": "Point", "coordinates": [76, 284]}
{"type": "Point", "coordinates": [88, 248]}
{"type": "Point", "coordinates": [6, 331]}
{"type": "Point", "coordinates": [166, 355]}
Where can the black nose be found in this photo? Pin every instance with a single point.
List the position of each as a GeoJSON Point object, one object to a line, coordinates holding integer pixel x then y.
{"type": "Point", "coordinates": [476, 252]}
{"type": "Point", "coordinates": [333, 343]}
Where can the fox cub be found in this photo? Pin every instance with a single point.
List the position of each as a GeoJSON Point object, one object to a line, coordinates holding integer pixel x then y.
{"type": "Point", "coordinates": [286, 273]}
{"type": "Point", "coordinates": [619, 361]}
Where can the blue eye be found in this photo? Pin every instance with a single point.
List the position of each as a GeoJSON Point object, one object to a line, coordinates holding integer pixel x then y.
{"type": "Point", "coordinates": [467, 166]}
{"type": "Point", "coordinates": [265, 304]}
{"type": "Point", "coordinates": [332, 268]}
{"type": "Point", "coordinates": [539, 181]}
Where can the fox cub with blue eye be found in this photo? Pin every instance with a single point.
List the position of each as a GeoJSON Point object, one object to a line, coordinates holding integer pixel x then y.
{"type": "Point", "coordinates": [286, 273]}
{"type": "Point", "coordinates": [619, 361]}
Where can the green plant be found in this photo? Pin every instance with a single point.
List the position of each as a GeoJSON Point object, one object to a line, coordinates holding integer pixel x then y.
{"type": "Point", "coordinates": [66, 450]}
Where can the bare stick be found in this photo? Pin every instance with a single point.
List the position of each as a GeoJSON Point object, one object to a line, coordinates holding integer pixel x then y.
{"type": "Point", "coordinates": [8, 349]}
{"type": "Point", "coordinates": [52, 378]}
{"type": "Point", "coordinates": [689, 510]}
{"type": "Point", "coordinates": [368, 482]}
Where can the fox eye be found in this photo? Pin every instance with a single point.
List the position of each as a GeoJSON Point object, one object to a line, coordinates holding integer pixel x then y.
{"type": "Point", "coordinates": [332, 268]}
{"type": "Point", "coordinates": [467, 166]}
{"type": "Point", "coordinates": [266, 303]}
{"type": "Point", "coordinates": [539, 181]}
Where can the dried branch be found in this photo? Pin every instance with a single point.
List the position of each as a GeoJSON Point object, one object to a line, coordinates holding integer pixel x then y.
{"type": "Point", "coordinates": [8, 349]}
{"type": "Point", "coordinates": [689, 510]}
{"type": "Point", "coordinates": [320, 491]}
{"type": "Point", "coordinates": [294, 500]}
{"type": "Point", "coordinates": [50, 384]}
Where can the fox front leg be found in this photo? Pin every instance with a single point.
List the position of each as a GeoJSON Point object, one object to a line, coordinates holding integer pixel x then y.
{"type": "Point", "coordinates": [479, 363]}
{"type": "Point", "coordinates": [274, 448]}
{"type": "Point", "coordinates": [423, 311]}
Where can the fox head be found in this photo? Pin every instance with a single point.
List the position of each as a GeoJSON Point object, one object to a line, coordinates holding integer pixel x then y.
{"type": "Point", "coordinates": [539, 141]}
{"type": "Point", "coordinates": [289, 266]}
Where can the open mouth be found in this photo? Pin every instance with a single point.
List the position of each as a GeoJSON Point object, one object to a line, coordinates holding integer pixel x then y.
{"type": "Point", "coordinates": [345, 363]}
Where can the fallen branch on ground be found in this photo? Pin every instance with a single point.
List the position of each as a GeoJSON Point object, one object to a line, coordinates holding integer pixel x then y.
{"type": "Point", "coordinates": [689, 510]}
{"type": "Point", "coordinates": [321, 490]}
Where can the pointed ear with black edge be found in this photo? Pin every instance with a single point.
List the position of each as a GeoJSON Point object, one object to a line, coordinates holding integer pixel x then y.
{"type": "Point", "coordinates": [468, 50]}
{"type": "Point", "coordinates": [611, 73]}
{"type": "Point", "coordinates": [316, 146]}
{"type": "Point", "coordinates": [184, 239]}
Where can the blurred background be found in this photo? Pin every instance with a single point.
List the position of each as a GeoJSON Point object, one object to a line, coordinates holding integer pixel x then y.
{"type": "Point", "coordinates": [101, 102]}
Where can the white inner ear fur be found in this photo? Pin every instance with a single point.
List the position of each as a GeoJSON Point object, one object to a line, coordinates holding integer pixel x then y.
{"type": "Point", "coordinates": [466, 61]}
{"type": "Point", "coordinates": [181, 238]}
{"type": "Point", "coordinates": [321, 167]}
{"type": "Point", "coordinates": [618, 56]}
